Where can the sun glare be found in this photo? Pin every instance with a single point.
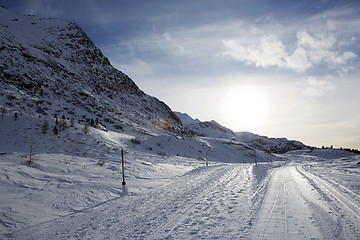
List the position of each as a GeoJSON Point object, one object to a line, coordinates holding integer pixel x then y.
{"type": "Point", "coordinates": [245, 107]}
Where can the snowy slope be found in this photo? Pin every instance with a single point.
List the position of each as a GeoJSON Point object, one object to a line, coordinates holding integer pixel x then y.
{"type": "Point", "coordinates": [65, 176]}
{"type": "Point", "coordinates": [172, 197]}
{"type": "Point", "coordinates": [274, 145]}
{"type": "Point", "coordinates": [50, 66]}
{"type": "Point", "coordinates": [263, 143]}
{"type": "Point", "coordinates": [205, 129]}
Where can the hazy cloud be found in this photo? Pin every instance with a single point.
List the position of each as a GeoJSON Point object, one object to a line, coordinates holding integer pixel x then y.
{"type": "Point", "coordinates": [317, 88]}
{"type": "Point", "coordinates": [348, 41]}
{"type": "Point", "coordinates": [42, 8]}
{"type": "Point", "coordinates": [173, 44]}
{"type": "Point", "coordinates": [310, 49]}
{"type": "Point", "coordinates": [269, 52]}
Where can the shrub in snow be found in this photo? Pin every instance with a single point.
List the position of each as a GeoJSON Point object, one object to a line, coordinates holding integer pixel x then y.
{"type": "Point", "coordinates": [3, 112]}
{"type": "Point", "coordinates": [135, 141]}
{"type": "Point", "coordinates": [86, 128]}
{"type": "Point", "coordinates": [45, 127]}
{"type": "Point", "coordinates": [31, 159]}
{"type": "Point", "coordinates": [118, 127]}
{"type": "Point", "coordinates": [55, 130]}
{"type": "Point", "coordinates": [101, 162]}
{"type": "Point", "coordinates": [63, 124]}
{"type": "Point", "coordinates": [72, 122]}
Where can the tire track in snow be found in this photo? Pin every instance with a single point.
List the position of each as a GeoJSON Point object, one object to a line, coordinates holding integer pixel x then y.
{"type": "Point", "coordinates": [345, 208]}
{"type": "Point", "coordinates": [178, 216]}
{"type": "Point", "coordinates": [215, 202]}
{"type": "Point", "coordinates": [284, 213]}
{"type": "Point", "coordinates": [340, 197]}
{"type": "Point", "coordinates": [220, 197]}
{"type": "Point", "coordinates": [136, 217]}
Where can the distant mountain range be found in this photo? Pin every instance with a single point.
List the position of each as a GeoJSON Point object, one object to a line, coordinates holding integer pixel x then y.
{"type": "Point", "coordinates": [50, 66]}
{"type": "Point", "coordinates": [214, 129]}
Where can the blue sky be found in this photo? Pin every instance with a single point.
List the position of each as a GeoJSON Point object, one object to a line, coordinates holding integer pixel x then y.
{"type": "Point", "coordinates": [275, 68]}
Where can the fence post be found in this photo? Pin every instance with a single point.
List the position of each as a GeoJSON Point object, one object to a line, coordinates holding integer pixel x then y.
{"type": "Point", "coordinates": [123, 169]}
{"type": "Point", "coordinates": [206, 160]}
{"type": "Point", "coordinates": [30, 161]}
{"type": "Point", "coordinates": [255, 157]}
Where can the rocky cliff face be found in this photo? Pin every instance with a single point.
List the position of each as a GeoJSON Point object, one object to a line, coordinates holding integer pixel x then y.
{"type": "Point", "coordinates": [50, 66]}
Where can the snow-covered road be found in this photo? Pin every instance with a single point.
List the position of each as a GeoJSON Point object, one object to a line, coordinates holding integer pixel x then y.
{"type": "Point", "coordinates": [211, 202]}
{"type": "Point", "coordinates": [285, 213]}
{"type": "Point", "coordinates": [301, 205]}
{"type": "Point", "coordinates": [225, 201]}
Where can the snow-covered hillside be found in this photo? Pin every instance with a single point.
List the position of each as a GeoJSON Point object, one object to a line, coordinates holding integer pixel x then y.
{"type": "Point", "coordinates": [273, 145]}
{"type": "Point", "coordinates": [214, 129]}
{"type": "Point", "coordinates": [66, 176]}
{"type": "Point", "coordinates": [50, 66]}
{"type": "Point", "coordinates": [67, 193]}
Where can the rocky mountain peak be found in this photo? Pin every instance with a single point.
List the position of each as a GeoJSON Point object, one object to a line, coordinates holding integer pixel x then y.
{"type": "Point", "coordinates": [50, 66]}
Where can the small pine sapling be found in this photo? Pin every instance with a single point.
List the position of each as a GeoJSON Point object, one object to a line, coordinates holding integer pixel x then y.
{"type": "Point", "coordinates": [45, 127]}
{"type": "Point", "coordinates": [55, 130]}
{"type": "Point", "coordinates": [62, 124]}
{"type": "Point", "coordinates": [72, 122]}
{"type": "Point", "coordinates": [31, 159]}
{"type": "Point", "coordinates": [86, 128]}
{"type": "Point", "coordinates": [3, 112]}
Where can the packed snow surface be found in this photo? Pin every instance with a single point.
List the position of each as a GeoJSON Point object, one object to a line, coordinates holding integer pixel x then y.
{"type": "Point", "coordinates": [170, 193]}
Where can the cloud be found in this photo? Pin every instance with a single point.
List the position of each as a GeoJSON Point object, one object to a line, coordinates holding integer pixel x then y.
{"type": "Point", "coordinates": [298, 61]}
{"type": "Point", "coordinates": [317, 88]}
{"type": "Point", "coordinates": [320, 48]}
{"type": "Point", "coordinates": [318, 41]}
{"type": "Point", "coordinates": [42, 8]}
{"type": "Point", "coordinates": [173, 44]}
{"type": "Point", "coordinates": [136, 67]}
{"type": "Point", "coordinates": [347, 41]}
{"type": "Point", "coordinates": [310, 49]}
{"type": "Point", "coordinates": [269, 52]}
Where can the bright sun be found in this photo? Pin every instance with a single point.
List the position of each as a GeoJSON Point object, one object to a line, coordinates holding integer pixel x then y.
{"type": "Point", "coordinates": [245, 107]}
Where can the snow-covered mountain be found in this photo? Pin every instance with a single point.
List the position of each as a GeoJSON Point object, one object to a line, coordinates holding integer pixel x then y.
{"type": "Point", "coordinates": [50, 66]}
{"type": "Point", "coordinates": [263, 143]}
{"type": "Point", "coordinates": [273, 145]}
{"type": "Point", "coordinates": [205, 129]}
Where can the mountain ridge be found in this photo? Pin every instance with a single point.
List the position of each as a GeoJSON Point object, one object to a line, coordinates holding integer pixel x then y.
{"type": "Point", "coordinates": [52, 59]}
{"type": "Point", "coordinates": [214, 129]}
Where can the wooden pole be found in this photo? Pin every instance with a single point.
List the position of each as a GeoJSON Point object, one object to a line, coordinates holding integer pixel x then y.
{"type": "Point", "coordinates": [123, 169]}
{"type": "Point", "coordinates": [206, 160]}
{"type": "Point", "coordinates": [30, 158]}
{"type": "Point", "coordinates": [255, 157]}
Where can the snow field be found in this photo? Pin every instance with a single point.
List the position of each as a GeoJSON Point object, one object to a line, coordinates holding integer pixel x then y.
{"type": "Point", "coordinates": [170, 193]}
{"type": "Point", "coordinates": [209, 202]}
